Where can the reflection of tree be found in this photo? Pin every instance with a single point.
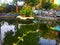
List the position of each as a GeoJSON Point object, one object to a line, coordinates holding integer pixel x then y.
{"type": "Point", "coordinates": [30, 39]}
{"type": "Point", "coordinates": [43, 28]}
{"type": "Point", "coordinates": [50, 35]}
{"type": "Point", "coordinates": [59, 35]}
{"type": "Point", "coordinates": [9, 38]}
{"type": "Point", "coordinates": [46, 32]}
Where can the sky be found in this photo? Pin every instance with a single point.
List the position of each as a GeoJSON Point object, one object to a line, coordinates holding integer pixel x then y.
{"type": "Point", "coordinates": [10, 2]}
{"type": "Point", "coordinates": [57, 2]}
{"type": "Point", "coordinates": [6, 1]}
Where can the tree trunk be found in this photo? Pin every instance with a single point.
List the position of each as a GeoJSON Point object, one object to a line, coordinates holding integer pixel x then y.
{"type": "Point", "coordinates": [16, 8]}
{"type": "Point", "coordinates": [41, 2]}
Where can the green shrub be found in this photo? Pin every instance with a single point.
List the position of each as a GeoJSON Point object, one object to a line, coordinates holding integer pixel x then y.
{"type": "Point", "coordinates": [53, 5]}
{"type": "Point", "coordinates": [26, 11]}
{"type": "Point", "coordinates": [46, 5]}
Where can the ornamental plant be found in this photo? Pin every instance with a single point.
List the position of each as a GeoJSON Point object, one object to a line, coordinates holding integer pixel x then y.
{"type": "Point", "coordinates": [26, 11]}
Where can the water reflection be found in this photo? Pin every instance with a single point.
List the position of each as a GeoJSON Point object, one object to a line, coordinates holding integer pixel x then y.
{"type": "Point", "coordinates": [57, 28]}
{"type": "Point", "coordinates": [5, 28]}
{"type": "Point", "coordinates": [44, 41]}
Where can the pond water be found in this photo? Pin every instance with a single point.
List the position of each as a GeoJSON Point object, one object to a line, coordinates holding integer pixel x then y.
{"type": "Point", "coordinates": [44, 41]}
{"type": "Point", "coordinates": [57, 28]}
{"type": "Point", "coordinates": [5, 27]}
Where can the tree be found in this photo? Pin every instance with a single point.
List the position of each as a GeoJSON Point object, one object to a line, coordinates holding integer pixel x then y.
{"type": "Point", "coordinates": [32, 2]}
{"type": "Point", "coordinates": [3, 7]}
{"type": "Point", "coordinates": [54, 6]}
{"type": "Point", "coordinates": [46, 5]}
{"type": "Point", "coordinates": [15, 3]}
{"type": "Point", "coordinates": [29, 2]}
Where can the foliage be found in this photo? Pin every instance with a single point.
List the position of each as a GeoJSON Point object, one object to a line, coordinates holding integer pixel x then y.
{"type": "Point", "coordinates": [59, 6]}
{"type": "Point", "coordinates": [43, 27]}
{"type": "Point", "coordinates": [49, 35]}
{"type": "Point", "coordinates": [46, 32]}
{"type": "Point", "coordinates": [21, 38]}
{"type": "Point", "coordinates": [54, 5]}
{"type": "Point", "coordinates": [14, 1]}
{"type": "Point", "coordinates": [28, 39]}
{"type": "Point", "coordinates": [26, 11]}
{"type": "Point", "coordinates": [32, 2]}
{"type": "Point", "coordinates": [46, 5]}
{"type": "Point", "coordinates": [9, 38]}
{"type": "Point", "coordinates": [12, 12]}
{"type": "Point", "coordinates": [59, 35]}
{"type": "Point", "coordinates": [49, 5]}
{"type": "Point", "coordinates": [3, 7]}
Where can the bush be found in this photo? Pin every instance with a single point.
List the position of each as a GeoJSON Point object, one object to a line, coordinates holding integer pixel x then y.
{"type": "Point", "coordinates": [53, 5]}
{"type": "Point", "coordinates": [26, 11]}
{"type": "Point", "coordinates": [46, 5]}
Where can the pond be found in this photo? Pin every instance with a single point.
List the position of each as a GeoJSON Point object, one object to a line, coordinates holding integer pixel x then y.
{"type": "Point", "coordinates": [56, 28]}
{"type": "Point", "coordinates": [32, 38]}
{"type": "Point", "coordinates": [44, 41]}
{"type": "Point", "coordinates": [5, 27]}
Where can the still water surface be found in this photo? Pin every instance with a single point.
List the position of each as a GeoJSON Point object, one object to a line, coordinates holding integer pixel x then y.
{"type": "Point", "coordinates": [5, 27]}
